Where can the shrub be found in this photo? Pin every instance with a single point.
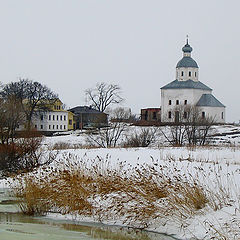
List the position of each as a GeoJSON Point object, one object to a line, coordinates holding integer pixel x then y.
{"type": "Point", "coordinates": [143, 138]}
{"type": "Point", "coordinates": [22, 155]}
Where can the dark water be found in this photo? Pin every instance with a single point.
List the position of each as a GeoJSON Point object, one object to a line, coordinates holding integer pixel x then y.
{"type": "Point", "coordinates": [15, 226]}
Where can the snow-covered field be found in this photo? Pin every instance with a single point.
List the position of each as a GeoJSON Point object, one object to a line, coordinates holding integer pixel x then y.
{"type": "Point", "coordinates": [216, 167]}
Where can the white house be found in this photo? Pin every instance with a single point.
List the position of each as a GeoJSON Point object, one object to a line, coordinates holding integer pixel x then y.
{"type": "Point", "coordinates": [188, 90]}
{"type": "Point", "coordinates": [51, 121]}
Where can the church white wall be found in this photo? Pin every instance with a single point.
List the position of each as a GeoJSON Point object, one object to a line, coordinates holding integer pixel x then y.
{"type": "Point", "coordinates": [217, 113]}
{"type": "Point", "coordinates": [191, 95]}
{"type": "Point", "coordinates": [194, 74]}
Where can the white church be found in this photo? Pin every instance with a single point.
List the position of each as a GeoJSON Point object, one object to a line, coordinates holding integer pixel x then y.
{"type": "Point", "coordinates": [188, 90]}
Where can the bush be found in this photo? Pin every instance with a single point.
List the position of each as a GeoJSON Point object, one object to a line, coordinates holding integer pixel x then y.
{"type": "Point", "coordinates": [143, 138]}
{"type": "Point", "coordinates": [21, 155]}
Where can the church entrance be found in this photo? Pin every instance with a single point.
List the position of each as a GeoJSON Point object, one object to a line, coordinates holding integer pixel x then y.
{"type": "Point", "coordinates": [177, 117]}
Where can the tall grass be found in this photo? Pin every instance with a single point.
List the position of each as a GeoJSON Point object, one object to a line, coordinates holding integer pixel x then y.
{"type": "Point", "coordinates": [95, 189]}
{"type": "Point", "coordinates": [136, 195]}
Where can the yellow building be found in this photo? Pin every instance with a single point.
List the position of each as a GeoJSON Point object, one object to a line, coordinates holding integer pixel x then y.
{"type": "Point", "coordinates": [71, 121]}
{"type": "Point", "coordinates": [54, 119]}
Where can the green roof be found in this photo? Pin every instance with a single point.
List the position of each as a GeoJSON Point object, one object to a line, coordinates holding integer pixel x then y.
{"type": "Point", "coordinates": [187, 62]}
{"type": "Point", "coordinates": [186, 84]}
{"type": "Point", "coordinates": [208, 100]}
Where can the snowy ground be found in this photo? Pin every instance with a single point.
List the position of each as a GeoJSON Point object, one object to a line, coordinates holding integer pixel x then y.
{"type": "Point", "coordinates": [222, 160]}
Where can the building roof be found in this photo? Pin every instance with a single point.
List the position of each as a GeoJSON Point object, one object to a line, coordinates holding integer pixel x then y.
{"type": "Point", "coordinates": [187, 47]}
{"type": "Point", "coordinates": [208, 100]}
{"type": "Point", "coordinates": [186, 84]}
{"type": "Point", "coordinates": [151, 109]}
{"type": "Point", "coordinates": [85, 109]}
{"type": "Point", "coordinates": [187, 61]}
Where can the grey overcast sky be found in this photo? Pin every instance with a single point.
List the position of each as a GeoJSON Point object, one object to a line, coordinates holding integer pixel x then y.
{"type": "Point", "coordinates": [70, 45]}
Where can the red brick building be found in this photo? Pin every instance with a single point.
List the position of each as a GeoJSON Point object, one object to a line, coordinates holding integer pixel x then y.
{"type": "Point", "coordinates": [151, 114]}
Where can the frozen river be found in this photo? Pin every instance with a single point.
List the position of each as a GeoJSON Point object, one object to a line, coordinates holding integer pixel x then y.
{"type": "Point", "coordinates": [15, 226]}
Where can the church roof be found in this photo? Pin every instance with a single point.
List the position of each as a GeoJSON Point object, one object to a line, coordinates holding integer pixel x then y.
{"type": "Point", "coordinates": [187, 47]}
{"type": "Point", "coordinates": [186, 84]}
{"type": "Point", "coordinates": [208, 100]}
{"type": "Point", "coordinates": [187, 62]}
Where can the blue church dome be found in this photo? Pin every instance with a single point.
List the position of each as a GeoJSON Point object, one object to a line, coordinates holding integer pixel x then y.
{"type": "Point", "coordinates": [187, 48]}
{"type": "Point", "coordinates": [187, 62]}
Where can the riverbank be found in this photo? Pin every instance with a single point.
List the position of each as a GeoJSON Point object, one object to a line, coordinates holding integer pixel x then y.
{"type": "Point", "coordinates": [216, 168]}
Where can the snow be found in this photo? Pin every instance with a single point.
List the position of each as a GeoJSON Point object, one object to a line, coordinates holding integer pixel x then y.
{"type": "Point", "coordinates": [221, 160]}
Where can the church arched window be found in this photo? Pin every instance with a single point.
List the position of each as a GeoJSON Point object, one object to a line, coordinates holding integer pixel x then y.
{"type": "Point", "coordinates": [182, 73]}
{"type": "Point", "coordinates": [169, 114]}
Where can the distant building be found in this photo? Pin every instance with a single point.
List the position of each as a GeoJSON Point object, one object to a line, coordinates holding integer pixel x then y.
{"type": "Point", "coordinates": [71, 121]}
{"type": "Point", "coordinates": [88, 117]}
{"type": "Point", "coordinates": [55, 119]}
{"type": "Point", "coordinates": [188, 90]}
{"type": "Point", "coordinates": [151, 114]}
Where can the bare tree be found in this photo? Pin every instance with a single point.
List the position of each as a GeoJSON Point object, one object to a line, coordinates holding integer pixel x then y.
{"type": "Point", "coordinates": [189, 126]}
{"type": "Point", "coordinates": [109, 136]}
{"type": "Point", "coordinates": [142, 137]}
{"type": "Point", "coordinates": [104, 95]}
{"type": "Point", "coordinates": [176, 131]}
{"type": "Point", "coordinates": [197, 127]}
{"type": "Point", "coordinates": [10, 118]}
{"type": "Point", "coordinates": [33, 96]}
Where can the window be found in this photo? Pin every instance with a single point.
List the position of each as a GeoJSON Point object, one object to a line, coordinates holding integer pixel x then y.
{"type": "Point", "coordinates": [57, 126]}
{"type": "Point", "coordinates": [169, 115]}
{"type": "Point", "coordinates": [182, 73]}
{"type": "Point", "coordinates": [64, 118]}
{"type": "Point", "coordinates": [35, 126]}
{"type": "Point", "coordinates": [64, 126]}
{"type": "Point", "coordinates": [177, 102]}
{"type": "Point", "coordinates": [203, 114]}
{"type": "Point", "coordinates": [61, 118]}
{"type": "Point", "coordinates": [57, 117]}
{"type": "Point", "coordinates": [185, 102]}
{"type": "Point", "coordinates": [70, 121]}
{"type": "Point", "coordinates": [185, 115]}
{"type": "Point", "coordinates": [41, 117]}
{"type": "Point", "coordinates": [53, 117]}
{"type": "Point", "coordinates": [53, 126]}
{"type": "Point", "coordinates": [146, 115]}
{"type": "Point", "coordinates": [177, 116]}
{"type": "Point", "coordinates": [60, 126]}
{"type": "Point", "coordinates": [195, 74]}
{"type": "Point", "coordinates": [41, 126]}
{"type": "Point", "coordinates": [170, 102]}
{"type": "Point", "coordinates": [222, 116]}
{"type": "Point", "coordinates": [49, 117]}
{"type": "Point", "coordinates": [154, 115]}
{"type": "Point", "coordinates": [189, 74]}
{"type": "Point", "coordinates": [49, 127]}
{"type": "Point", "coordinates": [55, 107]}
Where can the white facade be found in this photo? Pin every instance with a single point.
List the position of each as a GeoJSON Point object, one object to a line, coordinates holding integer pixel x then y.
{"type": "Point", "coordinates": [177, 98]}
{"type": "Point", "coordinates": [187, 90]}
{"type": "Point", "coordinates": [217, 113]}
{"type": "Point", "coordinates": [52, 121]}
